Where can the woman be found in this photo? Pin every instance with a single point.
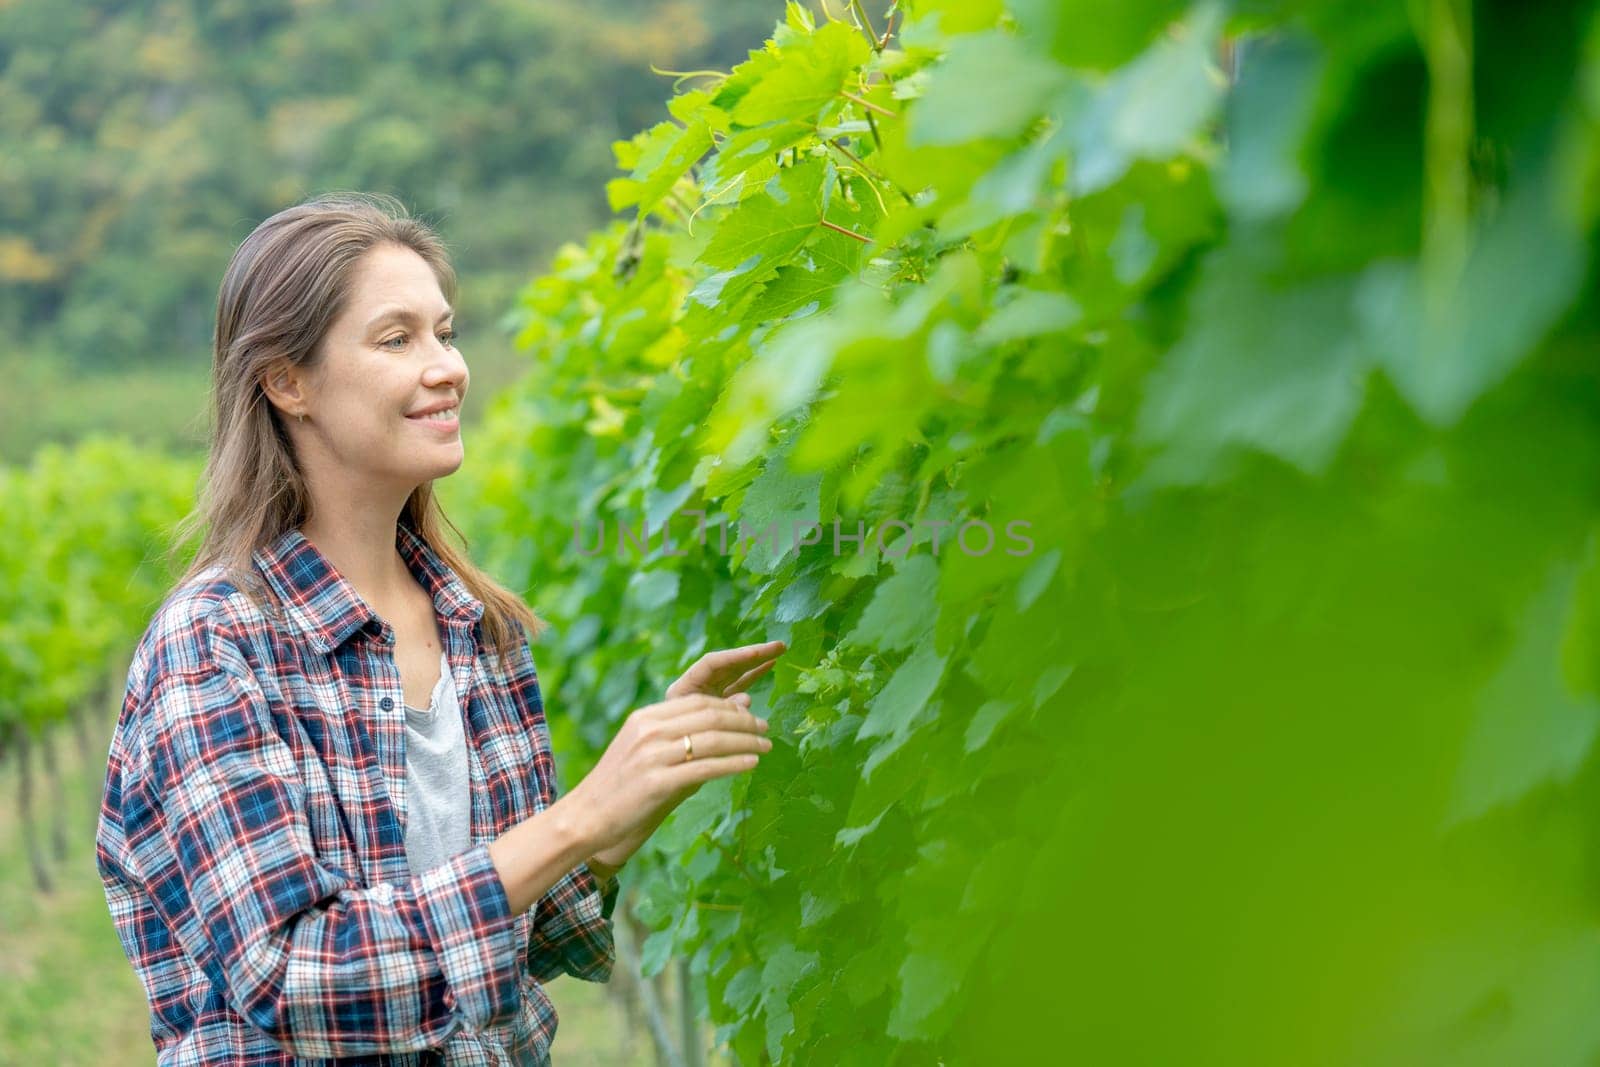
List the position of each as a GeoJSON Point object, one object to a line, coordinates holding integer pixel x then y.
{"type": "Point", "coordinates": [330, 825]}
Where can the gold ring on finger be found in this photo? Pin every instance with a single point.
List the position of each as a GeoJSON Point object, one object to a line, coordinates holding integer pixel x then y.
{"type": "Point", "coordinates": [688, 749]}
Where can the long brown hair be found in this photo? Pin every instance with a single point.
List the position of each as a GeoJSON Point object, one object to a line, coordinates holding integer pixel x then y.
{"type": "Point", "coordinates": [286, 284]}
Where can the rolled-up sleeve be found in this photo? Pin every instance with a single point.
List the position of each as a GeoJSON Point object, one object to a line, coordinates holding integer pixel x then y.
{"type": "Point", "coordinates": [324, 967]}
{"type": "Point", "coordinates": [572, 932]}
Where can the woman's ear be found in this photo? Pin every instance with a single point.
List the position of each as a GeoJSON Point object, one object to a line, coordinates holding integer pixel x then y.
{"type": "Point", "coordinates": [285, 387]}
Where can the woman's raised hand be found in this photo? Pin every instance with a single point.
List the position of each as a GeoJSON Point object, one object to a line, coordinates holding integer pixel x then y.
{"type": "Point", "coordinates": [727, 671]}
{"type": "Point", "coordinates": [643, 773]}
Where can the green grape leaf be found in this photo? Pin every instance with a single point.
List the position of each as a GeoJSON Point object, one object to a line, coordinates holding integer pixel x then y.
{"type": "Point", "coordinates": [1151, 109]}
{"type": "Point", "coordinates": [770, 227]}
{"type": "Point", "coordinates": [988, 717]}
{"type": "Point", "coordinates": [783, 374]}
{"type": "Point", "coordinates": [1269, 113]}
{"type": "Point", "coordinates": [1484, 324]}
{"type": "Point", "coordinates": [1031, 313]}
{"type": "Point", "coordinates": [653, 589]}
{"type": "Point", "coordinates": [663, 155]}
{"type": "Point", "coordinates": [655, 952]}
{"type": "Point", "coordinates": [904, 699]}
{"type": "Point", "coordinates": [990, 85]}
{"type": "Point", "coordinates": [852, 835]}
{"type": "Point", "coordinates": [867, 975]}
{"type": "Point", "coordinates": [1080, 35]}
{"type": "Point", "coordinates": [740, 154]}
{"type": "Point", "coordinates": [927, 983]}
{"type": "Point", "coordinates": [1530, 728]}
{"type": "Point", "coordinates": [1275, 366]}
{"type": "Point", "coordinates": [811, 278]}
{"type": "Point", "coordinates": [742, 989]}
{"type": "Point", "coordinates": [809, 74]}
{"type": "Point", "coordinates": [956, 16]}
{"type": "Point", "coordinates": [782, 971]}
{"type": "Point", "coordinates": [904, 606]}
{"type": "Point", "coordinates": [815, 908]}
{"type": "Point", "coordinates": [800, 599]}
{"type": "Point", "coordinates": [778, 508]}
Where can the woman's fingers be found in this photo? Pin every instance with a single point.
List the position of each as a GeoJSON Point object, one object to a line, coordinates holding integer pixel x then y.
{"type": "Point", "coordinates": [713, 720]}
{"type": "Point", "coordinates": [700, 770]}
{"type": "Point", "coordinates": [715, 670]}
{"type": "Point", "coordinates": [698, 704]}
{"type": "Point", "coordinates": [748, 678]}
{"type": "Point", "coordinates": [744, 655]}
{"type": "Point", "coordinates": [753, 659]}
{"type": "Point", "coordinates": [717, 729]}
{"type": "Point", "coordinates": [709, 744]}
{"type": "Point", "coordinates": [717, 726]}
{"type": "Point", "coordinates": [727, 740]}
{"type": "Point", "coordinates": [672, 707]}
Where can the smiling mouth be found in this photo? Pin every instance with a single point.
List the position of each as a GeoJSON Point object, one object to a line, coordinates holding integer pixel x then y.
{"type": "Point", "coordinates": [447, 417]}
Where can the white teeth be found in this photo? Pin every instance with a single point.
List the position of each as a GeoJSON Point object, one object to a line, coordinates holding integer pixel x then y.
{"type": "Point", "coordinates": [447, 413]}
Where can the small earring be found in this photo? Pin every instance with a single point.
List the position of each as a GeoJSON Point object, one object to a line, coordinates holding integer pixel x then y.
{"type": "Point", "coordinates": [302, 416]}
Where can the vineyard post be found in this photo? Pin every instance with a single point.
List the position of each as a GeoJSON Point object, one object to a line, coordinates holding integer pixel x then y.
{"type": "Point", "coordinates": [624, 992]}
{"type": "Point", "coordinates": [41, 873]}
{"type": "Point", "coordinates": [83, 715]}
{"type": "Point", "coordinates": [689, 1018]}
{"type": "Point", "coordinates": [58, 808]}
{"type": "Point", "coordinates": [627, 936]}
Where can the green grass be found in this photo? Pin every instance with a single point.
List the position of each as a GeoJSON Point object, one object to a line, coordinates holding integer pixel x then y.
{"type": "Point", "coordinates": [69, 997]}
{"type": "Point", "coordinates": [43, 403]}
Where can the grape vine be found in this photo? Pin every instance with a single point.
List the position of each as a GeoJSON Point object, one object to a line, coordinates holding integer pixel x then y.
{"type": "Point", "coordinates": [1275, 330]}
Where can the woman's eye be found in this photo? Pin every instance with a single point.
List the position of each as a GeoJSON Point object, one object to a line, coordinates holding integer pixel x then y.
{"type": "Point", "coordinates": [398, 341]}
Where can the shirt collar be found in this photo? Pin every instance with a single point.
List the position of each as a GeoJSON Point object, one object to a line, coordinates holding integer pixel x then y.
{"type": "Point", "coordinates": [326, 607]}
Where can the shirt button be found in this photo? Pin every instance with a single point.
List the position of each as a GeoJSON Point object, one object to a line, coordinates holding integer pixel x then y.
{"type": "Point", "coordinates": [386, 704]}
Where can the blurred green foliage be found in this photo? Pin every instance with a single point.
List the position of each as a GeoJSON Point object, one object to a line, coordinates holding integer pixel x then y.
{"type": "Point", "coordinates": [83, 532]}
{"type": "Point", "coordinates": [162, 406]}
{"type": "Point", "coordinates": [140, 142]}
{"type": "Point", "coordinates": [1277, 323]}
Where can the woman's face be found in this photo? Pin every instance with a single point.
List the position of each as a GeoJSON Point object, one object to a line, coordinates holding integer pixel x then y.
{"type": "Point", "coordinates": [389, 357]}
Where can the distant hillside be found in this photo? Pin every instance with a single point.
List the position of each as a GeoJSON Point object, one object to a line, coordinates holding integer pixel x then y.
{"type": "Point", "coordinates": [140, 141]}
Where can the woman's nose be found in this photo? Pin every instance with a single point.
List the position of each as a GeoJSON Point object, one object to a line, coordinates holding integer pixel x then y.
{"type": "Point", "coordinates": [448, 363]}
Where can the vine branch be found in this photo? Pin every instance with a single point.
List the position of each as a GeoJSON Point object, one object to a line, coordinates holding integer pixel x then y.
{"type": "Point", "coordinates": [740, 867]}
{"type": "Point", "coordinates": [888, 27]}
{"type": "Point", "coordinates": [869, 105]}
{"type": "Point", "coordinates": [836, 228]}
{"type": "Point", "coordinates": [870, 173]}
{"type": "Point", "coordinates": [867, 27]}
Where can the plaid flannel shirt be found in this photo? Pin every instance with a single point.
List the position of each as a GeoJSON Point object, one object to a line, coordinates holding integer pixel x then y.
{"type": "Point", "coordinates": [251, 835]}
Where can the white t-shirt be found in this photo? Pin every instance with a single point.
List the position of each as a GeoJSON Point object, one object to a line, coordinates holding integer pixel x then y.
{"type": "Point", "coordinates": [438, 800]}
